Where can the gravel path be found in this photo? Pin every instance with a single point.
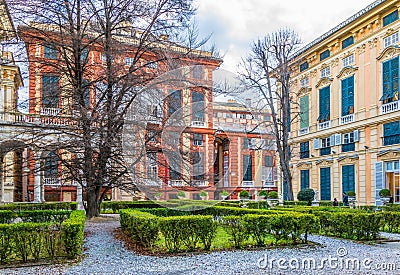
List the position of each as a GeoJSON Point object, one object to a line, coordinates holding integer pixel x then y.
{"type": "Point", "coordinates": [105, 255]}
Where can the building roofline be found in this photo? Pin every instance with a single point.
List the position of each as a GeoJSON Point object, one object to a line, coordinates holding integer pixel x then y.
{"type": "Point", "coordinates": [342, 25]}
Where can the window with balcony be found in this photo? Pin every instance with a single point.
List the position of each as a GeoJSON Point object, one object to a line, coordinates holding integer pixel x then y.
{"type": "Point", "coordinates": [347, 61]}
{"type": "Point", "coordinates": [304, 150]}
{"type": "Point", "coordinates": [304, 112]}
{"type": "Point", "coordinates": [324, 55]}
{"type": "Point", "coordinates": [390, 72]}
{"type": "Point", "coordinates": [50, 91]}
{"type": "Point", "coordinates": [391, 40]}
{"type": "Point", "coordinates": [391, 133]}
{"type": "Point", "coordinates": [197, 139]}
{"type": "Point", "coordinates": [247, 168]}
{"type": "Point", "coordinates": [390, 18]}
{"type": "Point", "coordinates": [325, 72]}
{"type": "Point", "coordinates": [305, 82]}
{"type": "Point", "coordinates": [325, 146]}
{"type": "Point", "coordinates": [348, 142]}
{"type": "Point", "coordinates": [303, 66]}
{"type": "Point", "coordinates": [324, 104]}
{"type": "Point", "coordinates": [304, 179]}
{"type": "Point", "coordinates": [347, 42]}
{"type": "Point", "coordinates": [347, 96]}
{"type": "Point", "coordinates": [197, 106]}
{"type": "Point", "coordinates": [50, 52]}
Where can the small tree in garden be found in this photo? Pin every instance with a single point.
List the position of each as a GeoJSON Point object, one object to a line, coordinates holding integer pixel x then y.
{"type": "Point", "coordinates": [181, 194]}
{"type": "Point", "coordinates": [273, 195]}
{"type": "Point", "coordinates": [203, 194]}
{"type": "Point", "coordinates": [263, 193]}
{"type": "Point", "coordinates": [384, 193]}
{"type": "Point", "coordinates": [244, 194]}
{"type": "Point", "coordinates": [224, 194]}
{"type": "Point", "coordinates": [306, 195]}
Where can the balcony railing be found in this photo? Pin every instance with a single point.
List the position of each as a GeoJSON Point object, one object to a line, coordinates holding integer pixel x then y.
{"type": "Point", "coordinates": [50, 111]}
{"type": "Point", "coordinates": [390, 107]}
{"type": "Point", "coordinates": [268, 183]}
{"type": "Point", "coordinates": [347, 119]}
{"type": "Point", "coordinates": [176, 183]}
{"type": "Point", "coordinates": [36, 119]}
{"type": "Point", "coordinates": [324, 125]}
{"type": "Point", "coordinates": [247, 183]}
{"type": "Point", "coordinates": [51, 181]}
{"type": "Point", "coordinates": [200, 183]}
{"type": "Point", "coordinates": [304, 131]}
{"type": "Point", "coordinates": [150, 182]}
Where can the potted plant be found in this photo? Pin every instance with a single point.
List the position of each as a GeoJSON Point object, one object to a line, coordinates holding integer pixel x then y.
{"type": "Point", "coordinates": [385, 196]}
{"type": "Point", "coordinates": [263, 194]}
{"type": "Point", "coordinates": [181, 195]}
{"type": "Point", "coordinates": [244, 195]}
{"type": "Point", "coordinates": [306, 195]}
{"type": "Point", "coordinates": [224, 194]}
{"type": "Point", "coordinates": [272, 198]}
{"type": "Point", "coordinates": [203, 194]}
{"type": "Point", "coordinates": [352, 198]}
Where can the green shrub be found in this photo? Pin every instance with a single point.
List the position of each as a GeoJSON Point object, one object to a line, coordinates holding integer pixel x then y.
{"type": "Point", "coordinates": [234, 226]}
{"type": "Point", "coordinates": [351, 193]}
{"type": "Point", "coordinates": [390, 221]}
{"type": "Point", "coordinates": [306, 195]}
{"type": "Point", "coordinates": [181, 194]}
{"type": "Point", "coordinates": [244, 194]}
{"type": "Point", "coordinates": [384, 193]}
{"type": "Point", "coordinates": [203, 194]}
{"type": "Point", "coordinates": [40, 206]}
{"type": "Point", "coordinates": [72, 233]}
{"type": "Point", "coordinates": [224, 193]}
{"type": "Point", "coordinates": [273, 195]}
{"type": "Point", "coordinates": [263, 193]}
{"type": "Point", "coordinates": [257, 226]}
{"type": "Point", "coordinates": [6, 216]}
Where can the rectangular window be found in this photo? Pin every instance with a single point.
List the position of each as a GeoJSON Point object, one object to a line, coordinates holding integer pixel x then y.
{"type": "Point", "coordinates": [391, 40]}
{"type": "Point", "coordinates": [197, 139]}
{"type": "Point", "coordinates": [325, 146]}
{"type": "Point", "coordinates": [304, 150]}
{"type": "Point", "coordinates": [391, 133]}
{"type": "Point", "coordinates": [152, 65]}
{"type": "Point", "coordinates": [303, 66]}
{"type": "Point", "coordinates": [348, 178]}
{"type": "Point", "coordinates": [152, 166]}
{"type": "Point", "coordinates": [390, 76]}
{"type": "Point", "coordinates": [348, 96]}
{"type": "Point", "coordinates": [198, 72]}
{"type": "Point", "coordinates": [151, 136]}
{"type": "Point", "coordinates": [304, 112]}
{"type": "Point", "coordinates": [247, 168]}
{"type": "Point", "coordinates": [325, 72]}
{"type": "Point", "coordinates": [50, 52]}
{"type": "Point", "coordinates": [226, 170]}
{"type": "Point", "coordinates": [129, 60]}
{"type": "Point", "coordinates": [348, 60]}
{"type": "Point", "coordinates": [324, 104]}
{"type": "Point", "coordinates": [50, 91]}
{"type": "Point", "coordinates": [304, 179]}
{"type": "Point", "coordinates": [174, 101]}
{"type": "Point", "coordinates": [305, 82]}
{"type": "Point", "coordinates": [245, 143]}
{"type": "Point", "coordinates": [390, 18]}
{"type": "Point", "coordinates": [325, 183]}
{"type": "Point", "coordinates": [348, 142]}
{"type": "Point", "coordinates": [347, 42]}
{"type": "Point", "coordinates": [268, 161]}
{"type": "Point", "coordinates": [324, 55]}
{"type": "Point", "coordinates": [197, 160]}
{"type": "Point", "coordinates": [197, 106]}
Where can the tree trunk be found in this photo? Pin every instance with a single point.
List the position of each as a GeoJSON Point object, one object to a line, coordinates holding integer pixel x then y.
{"type": "Point", "coordinates": [93, 206]}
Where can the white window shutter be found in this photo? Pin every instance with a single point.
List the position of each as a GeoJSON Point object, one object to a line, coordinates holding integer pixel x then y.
{"type": "Point", "coordinates": [316, 143]}
{"type": "Point", "coordinates": [338, 139]}
{"type": "Point", "coordinates": [379, 181]}
{"type": "Point", "coordinates": [356, 135]}
{"type": "Point", "coordinates": [332, 140]}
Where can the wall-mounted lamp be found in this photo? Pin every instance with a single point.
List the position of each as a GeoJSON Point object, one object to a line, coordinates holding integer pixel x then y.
{"type": "Point", "coordinates": [333, 152]}
{"type": "Point", "coordinates": [366, 147]}
{"type": "Point", "coordinates": [312, 155]}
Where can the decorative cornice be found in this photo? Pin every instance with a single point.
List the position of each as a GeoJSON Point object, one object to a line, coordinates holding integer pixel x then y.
{"type": "Point", "coordinates": [389, 154]}
{"type": "Point", "coordinates": [304, 164]}
{"type": "Point", "coordinates": [350, 159]}
{"type": "Point", "coordinates": [346, 71]}
{"type": "Point", "coordinates": [324, 81]}
{"type": "Point", "coordinates": [324, 162]}
{"type": "Point", "coordinates": [361, 49]}
{"type": "Point", "coordinates": [372, 43]}
{"type": "Point", "coordinates": [304, 91]}
{"type": "Point", "coordinates": [389, 52]}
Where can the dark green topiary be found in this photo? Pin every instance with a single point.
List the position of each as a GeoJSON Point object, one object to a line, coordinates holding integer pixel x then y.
{"type": "Point", "coordinates": [351, 193]}
{"type": "Point", "coordinates": [273, 195]}
{"type": "Point", "coordinates": [306, 195]}
{"type": "Point", "coordinates": [384, 193]}
{"type": "Point", "coordinates": [262, 193]}
{"type": "Point", "coordinates": [244, 194]}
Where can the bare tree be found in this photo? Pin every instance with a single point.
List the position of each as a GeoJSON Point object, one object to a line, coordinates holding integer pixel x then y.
{"type": "Point", "coordinates": [104, 53]}
{"type": "Point", "coordinates": [267, 71]}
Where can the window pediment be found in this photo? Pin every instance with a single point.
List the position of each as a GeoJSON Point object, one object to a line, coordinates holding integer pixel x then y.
{"type": "Point", "coordinates": [323, 82]}
{"type": "Point", "coordinates": [325, 162]}
{"type": "Point", "coordinates": [304, 165]}
{"type": "Point", "coordinates": [389, 52]}
{"type": "Point", "coordinates": [303, 91]}
{"type": "Point", "coordinates": [390, 154]}
{"type": "Point", "coordinates": [347, 71]}
{"type": "Point", "coordinates": [350, 159]}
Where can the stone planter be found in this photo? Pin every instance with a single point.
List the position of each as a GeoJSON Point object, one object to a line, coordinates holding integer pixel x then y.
{"type": "Point", "coordinates": [385, 200]}
{"type": "Point", "coordinates": [223, 197]}
{"type": "Point", "coordinates": [352, 202]}
{"type": "Point", "coordinates": [273, 202]}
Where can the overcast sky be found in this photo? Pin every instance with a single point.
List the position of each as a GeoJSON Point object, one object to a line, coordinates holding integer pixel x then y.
{"type": "Point", "coordinates": [235, 23]}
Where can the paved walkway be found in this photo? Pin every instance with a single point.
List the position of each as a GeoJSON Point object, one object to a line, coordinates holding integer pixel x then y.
{"type": "Point", "coordinates": [105, 255]}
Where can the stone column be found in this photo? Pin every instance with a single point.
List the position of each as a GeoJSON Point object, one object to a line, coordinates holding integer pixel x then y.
{"type": "Point", "coordinates": [79, 196]}
{"type": "Point", "coordinates": [37, 184]}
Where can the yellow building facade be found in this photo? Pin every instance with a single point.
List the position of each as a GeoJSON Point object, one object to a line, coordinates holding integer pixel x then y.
{"type": "Point", "coordinates": [347, 135]}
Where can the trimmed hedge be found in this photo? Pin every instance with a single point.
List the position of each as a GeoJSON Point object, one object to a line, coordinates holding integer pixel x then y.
{"type": "Point", "coordinates": [390, 221]}
{"type": "Point", "coordinates": [39, 206]}
{"type": "Point", "coordinates": [72, 233]}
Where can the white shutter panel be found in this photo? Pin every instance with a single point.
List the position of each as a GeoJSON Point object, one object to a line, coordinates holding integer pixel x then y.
{"type": "Point", "coordinates": [379, 181]}
{"type": "Point", "coordinates": [356, 136]}
{"type": "Point", "coordinates": [332, 140]}
{"type": "Point", "coordinates": [338, 139]}
{"type": "Point", "coordinates": [316, 143]}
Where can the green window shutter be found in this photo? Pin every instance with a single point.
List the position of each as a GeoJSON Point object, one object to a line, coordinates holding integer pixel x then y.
{"type": "Point", "coordinates": [347, 95]}
{"type": "Point", "coordinates": [390, 75]}
{"type": "Point", "coordinates": [324, 103]}
{"type": "Point", "coordinates": [304, 179]}
{"type": "Point", "coordinates": [348, 178]}
{"type": "Point", "coordinates": [304, 112]}
{"type": "Point", "coordinates": [325, 183]}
